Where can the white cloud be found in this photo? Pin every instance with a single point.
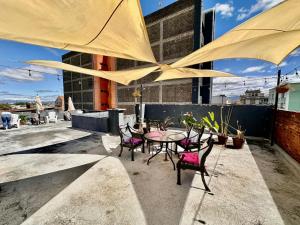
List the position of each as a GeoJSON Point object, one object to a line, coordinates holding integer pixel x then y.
{"type": "Point", "coordinates": [236, 86]}
{"type": "Point", "coordinates": [226, 9]}
{"type": "Point", "coordinates": [22, 74]}
{"type": "Point", "coordinates": [284, 63]}
{"type": "Point", "coordinates": [295, 53]}
{"type": "Point", "coordinates": [252, 69]}
{"type": "Point", "coordinates": [227, 70]}
{"type": "Point", "coordinates": [11, 96]}
{"type": "Point", "coordinates": [260, 5]}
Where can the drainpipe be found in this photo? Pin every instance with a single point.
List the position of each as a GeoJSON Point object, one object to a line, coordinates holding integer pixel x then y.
{"type": "Point", "coordinates": [275, 109]}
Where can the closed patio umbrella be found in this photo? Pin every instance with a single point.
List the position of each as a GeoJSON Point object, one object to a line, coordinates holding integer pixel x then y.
{"type": "Point", "coordinates": [106, 27]}
{"type": "Point", "coordinates": [70, 105]}
{"type": "Point", "coordinates": [38, 104]}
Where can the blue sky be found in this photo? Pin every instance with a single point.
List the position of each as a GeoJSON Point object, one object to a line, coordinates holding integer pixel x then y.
{"type": "Point", "coordinates": [16, 84]}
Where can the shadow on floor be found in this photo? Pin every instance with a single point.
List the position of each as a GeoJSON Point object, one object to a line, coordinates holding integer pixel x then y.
{"type": "Point", "coordinates": [162, 200]}
{"type": "Point", "coordinates": [20, 199]}
{"type": "Point", "coordinates": [281, 181]}
{"type": "Point", "coordinates": [86, 145]}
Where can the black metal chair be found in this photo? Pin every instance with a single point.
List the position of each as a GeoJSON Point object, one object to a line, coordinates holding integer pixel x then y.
{"type": "Point", "coordinates": [130, 139]}
{"type": "Point", "coordinates": [192, 140]}
{"type": "Point", "coordinates": [151, 125]}
{"type": "Point", "coordinates": [195, 161]}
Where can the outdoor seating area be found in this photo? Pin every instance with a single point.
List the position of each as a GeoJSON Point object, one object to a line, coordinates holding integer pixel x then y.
{"type": "Point", "coordinates": [146, 184]}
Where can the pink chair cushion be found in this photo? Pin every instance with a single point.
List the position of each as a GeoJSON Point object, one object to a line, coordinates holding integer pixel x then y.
{"type": "Point", "coordinates": [185, 142]}
{"type": "Point", "coordinates": [135, 141]}
{"type": "Point", "coordinates": [191, 158]}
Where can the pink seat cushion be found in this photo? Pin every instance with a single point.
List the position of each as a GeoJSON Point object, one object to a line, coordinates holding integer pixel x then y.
{"type": "Point", "coordinates": [191, 158]}
{"type": "Point", "coordinates": [136, 141]}
{"type": "Point", "coordinates": [185, 142]}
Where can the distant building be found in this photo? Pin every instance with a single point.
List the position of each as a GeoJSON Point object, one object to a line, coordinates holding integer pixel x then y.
{"type": "Point", "coordinates": [253, 97]}
{"type": "Point", "coordinates": [220, 100]}
{"type": "Point", "coordinates": [289, 100]}
{"type": "Point", "coordinates": [89, 92]}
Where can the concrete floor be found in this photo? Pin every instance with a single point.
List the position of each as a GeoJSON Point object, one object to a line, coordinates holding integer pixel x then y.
{"type": "Point", "coordinates": [161, 200]}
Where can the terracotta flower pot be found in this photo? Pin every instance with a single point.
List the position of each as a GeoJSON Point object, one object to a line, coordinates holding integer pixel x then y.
{"type": "Point", "coordinates": [222, 139]}
{"type": "Point", "coordinates": [238, 143]}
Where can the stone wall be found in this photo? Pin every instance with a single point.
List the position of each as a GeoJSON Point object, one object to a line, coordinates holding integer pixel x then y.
{"type": "Point", "coordinates": [287, 132]}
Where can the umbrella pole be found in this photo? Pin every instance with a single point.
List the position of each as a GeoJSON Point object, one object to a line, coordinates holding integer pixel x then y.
{"type": "Point", "coordinates": [141, 106]}
{"type": "Point", "coordinates": [275, 109]}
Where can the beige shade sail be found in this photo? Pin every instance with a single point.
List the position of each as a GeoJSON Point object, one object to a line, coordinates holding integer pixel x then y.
{"type": "Point", "coordinates": [181, 73]}
{"type": "Point", "coordinates": [122, 76]}
{"type": "Point", "coordinates": [106, 27]}
{"type": "Point", "coordinates": [281, 22]}
{"type": "Point", "coordinates": [70, 105]}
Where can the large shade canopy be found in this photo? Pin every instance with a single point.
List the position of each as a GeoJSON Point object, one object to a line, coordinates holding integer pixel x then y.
{"type": "Point", "coordinates": [122, 76]}
{"type": "Point", "coordinates": [106, 27]}
{"type": "Point", "coordinates": [181, 73]}
{"type": "Point", "coordinates": [269, 36]}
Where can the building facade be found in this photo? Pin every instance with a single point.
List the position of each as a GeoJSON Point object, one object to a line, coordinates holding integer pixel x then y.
{"type": "Point", "coordinates": [174, 32]}
{"type": "Point", "coordinates": [89, 92]}
{"type": "Point", "coordinates": [289, 100]}
{"type": "Point", "coordinates": [253, 97]}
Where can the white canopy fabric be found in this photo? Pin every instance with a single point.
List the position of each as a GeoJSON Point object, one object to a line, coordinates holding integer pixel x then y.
{"type": "Point", "coordinates": [269, 36]}
{"type": "Point", "coordinates": [106, 27]}
{"type": "Point", "coordinates": [70, 105]}
{"type": "Point", "coordinates": [181, 73]}
{"type": "Point", "coordinates": [122, 77]}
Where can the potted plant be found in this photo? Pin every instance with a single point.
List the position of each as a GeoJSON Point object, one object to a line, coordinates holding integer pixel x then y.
{"type": "Point", "coordinates": [189, 120]}
{"type": "Point", "coordinates": [223, 134]}
{"type": "Point", "coordinates": [239, 139]}
{"type": "Point", "coordinates": [23, 119]}
{"type": "Point", "coordinates": [210, 122]}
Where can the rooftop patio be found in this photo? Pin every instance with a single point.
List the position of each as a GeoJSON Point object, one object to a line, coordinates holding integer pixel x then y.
{"type": "Point", "coordinates": [45, 168]}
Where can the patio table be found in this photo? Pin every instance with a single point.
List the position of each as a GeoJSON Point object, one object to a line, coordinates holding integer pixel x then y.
{"type": "Point", "coordinates": [167, 138]}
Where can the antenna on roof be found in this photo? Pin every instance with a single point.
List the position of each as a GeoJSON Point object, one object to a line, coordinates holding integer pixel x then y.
{"type": "Point", "coordinates": [160, 4]}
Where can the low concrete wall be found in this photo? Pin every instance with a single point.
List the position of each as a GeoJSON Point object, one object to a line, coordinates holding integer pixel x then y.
{"type": "Point", "coordinates": [93, 122]}
{"type": "Point", "coordinates": [255, 119]}
{"type": "Point", "coordinates": [287, 132]}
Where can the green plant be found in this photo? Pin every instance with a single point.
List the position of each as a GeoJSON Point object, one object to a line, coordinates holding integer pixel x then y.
{"type": "Point", "coordinates": [23, 119]}
{"type": "Point", "coordinates": [240, 133]}
{"type": "Point", "coordinates": [189, 120]}
{"type": "Point", "coordinates": [5, 106]}
{"type": "Point", "coordinates": [210, 122]}
{"type": "Point", "coordinates": [224, 124]}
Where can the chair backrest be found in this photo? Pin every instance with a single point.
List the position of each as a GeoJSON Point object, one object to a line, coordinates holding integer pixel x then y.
{"type": "Point", "coordinates": [152, 124]}
{"type": "Point", "coordinates": [206, 151]}
{"type": "Point", "coordinates": [195, 135]}
{"type": "Point", "coordinates": [125, 133]}
{"type": "Point", "coordinates": [52, 115]}
{"type": "Point", "coordinates": [14, 118]}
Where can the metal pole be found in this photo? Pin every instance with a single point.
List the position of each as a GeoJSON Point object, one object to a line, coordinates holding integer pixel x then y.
{"type": "Point", "coordinates": [141, 105]}
{"type": "Point", "coordinates": [275, 109]}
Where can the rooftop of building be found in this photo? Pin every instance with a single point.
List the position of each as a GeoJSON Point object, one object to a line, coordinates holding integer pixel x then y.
{"type": "Point", "coordinates": [54, 165]}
